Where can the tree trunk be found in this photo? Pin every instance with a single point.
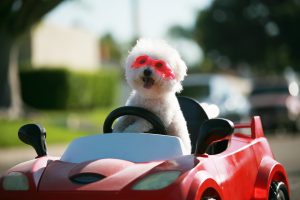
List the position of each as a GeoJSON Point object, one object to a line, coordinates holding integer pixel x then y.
{"type": "Point", "coordinates": [16, 107]}
{"type": "Point", "coordinates": [6, 43]}
{"type": "Point", "coordinates": [10, 95]}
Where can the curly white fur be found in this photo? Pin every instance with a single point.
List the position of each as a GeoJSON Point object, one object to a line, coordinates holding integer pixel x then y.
{"type": "Point", "coordinates": [160, 97]}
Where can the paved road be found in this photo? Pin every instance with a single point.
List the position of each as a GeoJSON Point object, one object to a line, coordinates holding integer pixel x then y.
{"type": "Point", "coordinates": [286, 150]}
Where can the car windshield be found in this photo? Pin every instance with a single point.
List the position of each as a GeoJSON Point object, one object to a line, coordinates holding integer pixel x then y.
{"type": "Point", "coordinates": [134, 147]}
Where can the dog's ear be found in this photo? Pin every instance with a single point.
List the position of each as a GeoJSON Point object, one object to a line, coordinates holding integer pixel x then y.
{"type": "Point", "coordinates": [128, 61]}
{"type": "Point", "coordinates": [180, 73]}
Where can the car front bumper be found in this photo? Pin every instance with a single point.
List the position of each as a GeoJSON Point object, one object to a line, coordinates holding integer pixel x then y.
{"type": "Point", "coordinates": [105, 195]}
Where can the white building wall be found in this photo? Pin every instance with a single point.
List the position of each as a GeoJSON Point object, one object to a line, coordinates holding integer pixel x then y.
{"type": "Point", "coordinates": [54, 46]}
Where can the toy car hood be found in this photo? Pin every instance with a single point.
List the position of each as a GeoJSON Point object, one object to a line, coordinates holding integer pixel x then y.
{"type": "Point", "coordinates": [118, 160]}
{"type": "Point", "coordinates": [115, 174]}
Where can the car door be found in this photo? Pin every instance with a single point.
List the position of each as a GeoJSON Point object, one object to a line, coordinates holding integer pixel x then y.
{"type": "Point", "coordinates": [237, 169]}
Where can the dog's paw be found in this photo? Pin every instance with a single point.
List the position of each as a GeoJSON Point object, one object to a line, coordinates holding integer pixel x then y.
{"type": "Point", "coordinates": [139, 126]}
{"type": "Point", "coordinates": [118, 128]}
{"type": "Point", "coordinates": [132, 129]}
{"type": "Point", "coordinates": [115, 130]}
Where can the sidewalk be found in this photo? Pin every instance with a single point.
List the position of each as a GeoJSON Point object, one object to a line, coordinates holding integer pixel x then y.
{"type": "Point", "coordinates": [12, 156]}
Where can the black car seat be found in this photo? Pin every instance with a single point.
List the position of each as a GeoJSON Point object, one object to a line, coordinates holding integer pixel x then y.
{"type": "Point", "coordinates": [194, 115]}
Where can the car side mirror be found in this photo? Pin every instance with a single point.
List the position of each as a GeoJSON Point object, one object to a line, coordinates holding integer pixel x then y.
{"type": "Point", "coordinates": [211, 131]}
{"type": "Point", "coordinates": [34, 135]}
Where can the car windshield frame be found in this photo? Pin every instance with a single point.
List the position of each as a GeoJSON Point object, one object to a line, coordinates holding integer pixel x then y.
{"type": "Point", "coordinates": [133, 147]}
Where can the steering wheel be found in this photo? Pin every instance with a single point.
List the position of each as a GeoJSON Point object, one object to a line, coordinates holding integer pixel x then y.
{"type": "Point", "coordinates": [158, 126]}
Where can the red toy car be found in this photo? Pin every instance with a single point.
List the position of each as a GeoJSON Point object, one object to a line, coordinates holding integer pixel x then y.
{"type": "Point", "coordinates": [227, 163]}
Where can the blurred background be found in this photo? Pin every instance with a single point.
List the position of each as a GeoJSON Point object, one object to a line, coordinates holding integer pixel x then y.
{"type": "Point", "coordinates": [61, 65]}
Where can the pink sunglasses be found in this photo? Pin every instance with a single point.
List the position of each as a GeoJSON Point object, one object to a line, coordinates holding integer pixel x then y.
{"type": "Point", "coordinates": [160, 66]}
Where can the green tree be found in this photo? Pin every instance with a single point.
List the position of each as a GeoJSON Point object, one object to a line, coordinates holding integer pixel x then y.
{"type": "Point", "coordinates": [110, 49]}
{"type": "Point", "coordinates": [262, 34]}
{"type": "Point", "coordinates": [16, 18]}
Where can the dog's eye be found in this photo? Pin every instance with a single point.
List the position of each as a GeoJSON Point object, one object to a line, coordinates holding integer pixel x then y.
{"type": "Point", "coordinates": [142, 60]}
{"type": "Point", "coordinates": [159, 64]}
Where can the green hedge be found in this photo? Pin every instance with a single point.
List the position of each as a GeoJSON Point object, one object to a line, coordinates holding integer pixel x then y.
{"type": "Point", "coordinates": [63, 89]}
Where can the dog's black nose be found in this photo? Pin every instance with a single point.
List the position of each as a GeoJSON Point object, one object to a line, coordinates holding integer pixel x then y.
{"type": "Point", "coordinates": [147, 72]}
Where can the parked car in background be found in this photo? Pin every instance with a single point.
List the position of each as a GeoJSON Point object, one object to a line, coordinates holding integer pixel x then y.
{"type": "Point", "coordinates": [277, 101]}
{"type": "Point", "coordinates": [219, 95]}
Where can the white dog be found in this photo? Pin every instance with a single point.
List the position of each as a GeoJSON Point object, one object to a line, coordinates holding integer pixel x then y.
{"type": "Point", "coordinates": [154, 70]}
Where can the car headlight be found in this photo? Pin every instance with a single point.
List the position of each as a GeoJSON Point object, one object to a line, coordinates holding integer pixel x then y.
{"type": "Point", "coordinates": [15, 181]}
{"type": "Point", "coordinates": [157, 180]}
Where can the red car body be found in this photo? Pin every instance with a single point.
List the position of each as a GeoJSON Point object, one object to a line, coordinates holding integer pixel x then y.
{"type": "Point", "coordinates": [244, 170]}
